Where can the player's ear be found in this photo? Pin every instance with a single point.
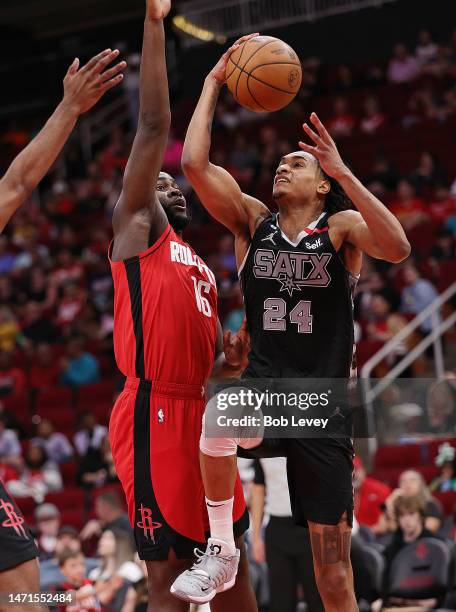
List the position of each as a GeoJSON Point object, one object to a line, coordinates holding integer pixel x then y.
{"type": "Point", "coordinates": [323, 187]}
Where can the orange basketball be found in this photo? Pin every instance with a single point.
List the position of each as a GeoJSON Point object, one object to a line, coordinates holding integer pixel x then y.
{"type": "Point", "coordinates": [264, 74]}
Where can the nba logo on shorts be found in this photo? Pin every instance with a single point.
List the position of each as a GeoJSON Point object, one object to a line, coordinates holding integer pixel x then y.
{"type": "Point", "coordinates": [160, 415]}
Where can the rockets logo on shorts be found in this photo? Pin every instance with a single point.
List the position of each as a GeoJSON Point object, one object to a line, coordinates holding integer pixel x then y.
{"type": "Point", "coordinates": [146, 523]}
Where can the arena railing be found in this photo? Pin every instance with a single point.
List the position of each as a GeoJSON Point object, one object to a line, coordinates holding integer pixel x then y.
{"type": "Point", "coordinates": [228, 18]}
{"type": "Point", "coordinates": [373, 388]}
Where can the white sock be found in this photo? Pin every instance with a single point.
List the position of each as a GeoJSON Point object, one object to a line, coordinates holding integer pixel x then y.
{"type": "Point", "coordinates": [221, 523]}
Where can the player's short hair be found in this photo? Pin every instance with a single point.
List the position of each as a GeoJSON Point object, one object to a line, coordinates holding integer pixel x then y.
{"type": "Point", "coordinates": [403, 504]}
{"type": "Point", "coordinates": [67, 554]}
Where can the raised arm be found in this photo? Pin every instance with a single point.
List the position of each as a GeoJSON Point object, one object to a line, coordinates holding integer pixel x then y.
{"type": "Point", "coordinates": [218, 191]}
{"type": "Point", "coordinates": [374, 229]}
{"type": "Point", "coordinates": [140, 179]}
{"type": "Point", "coordinates": [82, 89]}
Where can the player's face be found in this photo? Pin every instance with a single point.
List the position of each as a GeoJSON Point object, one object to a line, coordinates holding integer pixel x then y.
{"type": "Point", "coordinates": [298, 177]}
{"type": "Point", "coordinates": [173, 202]}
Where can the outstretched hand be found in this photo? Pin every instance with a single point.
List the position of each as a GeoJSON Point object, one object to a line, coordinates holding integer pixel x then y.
{"type": "Point", "coordinates": [218, 73]}
{"type": "Point", "coordinates": [158, 9]}
{"type": "Point", "coordinates": [83, 87]}
{"type": "Point", "coordinates": [236, 347]}
{"type": "Point", "coordinates": [325, 150]}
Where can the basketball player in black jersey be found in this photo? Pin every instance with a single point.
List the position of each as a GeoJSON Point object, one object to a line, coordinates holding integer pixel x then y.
{"type": "Point", "coordinates": [19, 572]}
{"type": "Point", "coordinates": [297, 270]}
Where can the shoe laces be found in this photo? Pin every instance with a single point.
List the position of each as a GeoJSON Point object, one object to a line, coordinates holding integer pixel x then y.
{"type": "Point", "coordinates": [202, 577]}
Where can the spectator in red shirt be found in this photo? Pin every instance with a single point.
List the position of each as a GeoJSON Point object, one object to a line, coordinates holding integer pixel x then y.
{"type": "Point", "coordinates": [443, 205]}
{"type": "Point", "coordinates": [370, 494]}
{"type": "Point", "coordinates": [408, 208]}
{"type": "Point", "coordinates": [73, 567]}
{"type": "Point", "coordinates": [12, 379]}
{"type": "Point", "coordinates": [45, 371]}
{"type": "Point", "coordinates": [342, 122]}
{"type": "Point", "coordinates": [373, 117]}
{"type": "Point", "coordinates": [71, 305]}
{"type": "Point", "coordinates": [68, 270]}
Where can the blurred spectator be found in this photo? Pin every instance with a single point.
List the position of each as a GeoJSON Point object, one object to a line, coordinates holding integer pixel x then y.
{"type": "Point", "coordinates": [38, 476]}
{"type": "Point", "coordinates": [39, 289]}
{"type": "Point", "coordinates": [384, 326]}
{"type": "Point", "coordinates": [90, 434]}
{"type": "Point", "coordinates": [12, 379]}
{"type": "Point", "coordinates": [68, 270]}
{"type": "Point", "coordinates": [45, 370]}
{"type": "Point", "coordinates": [417, 294]}
{"type": "Point", "coordinates": [446, 462]}
{"type": "Point", "coordinates": [428, 174]}
{"type": "Point", "coordinates": [96, 468]}
{"type": "Point", "coordinates": [67, 539]}
{"type": "Point", "coordinates": [131, 86]}
{"type": "Point", "coordinates": [426, 49]}
{"type": "Point", "coordinates": [443, 204]}
{"type": "Point", "coordinates": [373, 118]}
{"type": "Point", "coordinates": [36, 326]}
{"type": "Point", "coordinates": [79, 367]}
{"type": "Point", "coordinates": [440, 408]}
{"type": "Point", "coordinates": [409, 515]}
{"type": "Point", "coordinates": [73, 568]}
{"type": "Point", "coordinates": [7, 257]}
{"type": "Point", "coordinates": [445, 246]}
{"type": "Point", "coordinates": [412, 485]}
{"type": "Point", "coordinates": [32, 253]}
{"type": "Point", "coordinates": [370, 495]}
{"type": "Point", "coordinates": [343, 79]}
{"type": "Point", "coordinates": [56, 444]}
{"type": "Point", "coordinates": [403, 67]}
{"type": "Point", "coordinates": [110, 515]}
{"type": "Point", "coordinates": [408, 208]}
{"type": "Point", "coordinates": [70, 306]}
{"type": "Point", "coordinates": [47, 522]}
{"type": "Point", "coordinates": [10, 448]}
{"type": "Point", "coordinates": [341, 123]}
{"type": "Point", "coordinates": [10, 332]}
{"type": "Point", "coordinates": [117, 571]}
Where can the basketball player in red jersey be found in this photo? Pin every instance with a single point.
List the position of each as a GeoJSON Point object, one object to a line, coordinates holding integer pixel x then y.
{"type": "Point", "coordinates": [165, 311]}
{"type": "Point", "coordinates": [19, 572]}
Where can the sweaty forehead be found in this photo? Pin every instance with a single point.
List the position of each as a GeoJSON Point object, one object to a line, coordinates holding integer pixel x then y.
{"type": "Point", "coordinates": [164, 176]}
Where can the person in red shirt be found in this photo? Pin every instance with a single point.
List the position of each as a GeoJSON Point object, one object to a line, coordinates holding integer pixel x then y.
{"type": "Point", "coordinates": [408, 208]}
{"type": "Point", "coordinates": [46, 369]}
{"type": "Point", "coordinates": [341, 124]}
{"type": "Point", "coordinates": [370, 494]}
{"type": "Point", "coordinates": [84, 595]}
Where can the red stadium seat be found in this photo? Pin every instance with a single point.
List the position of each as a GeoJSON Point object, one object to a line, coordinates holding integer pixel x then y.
{"type": "Point", "coordinates": [401, 456]}
{"type": "Point", "coordinates": [62, 397]}
{"type": "Point", "coordinates": [75, 517]}
{"type": "Point", "coordinates": [68, 471]}
{"type": "Point", "coordinates": [68, 499]}
{"type": "Point", "coordinates": [448, 500]}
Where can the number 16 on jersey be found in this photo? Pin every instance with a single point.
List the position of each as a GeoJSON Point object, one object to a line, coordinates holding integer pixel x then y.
{"type": "Point", "coordinates": [202, 286]}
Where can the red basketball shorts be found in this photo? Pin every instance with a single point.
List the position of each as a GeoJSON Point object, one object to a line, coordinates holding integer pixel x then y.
{"type": "Point", "coordinates": [154, 434]}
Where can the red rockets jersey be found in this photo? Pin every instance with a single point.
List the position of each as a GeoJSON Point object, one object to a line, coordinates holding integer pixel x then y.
{"type": "Point", "coordinates": [165, 313]}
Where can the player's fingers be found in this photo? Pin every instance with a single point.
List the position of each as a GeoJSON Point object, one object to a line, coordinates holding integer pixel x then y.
{"type": "Point", "coordinates": [91, 63]}
{"type": "Point", "coordinates": [246, 37]}
{"type": "Point", "coordinates": [227, 337]}
{"type": "Point", "coordinates": [311, 134]}
{"type": "Point", "coordinates": [104, 61]}
{"type": "Point", "coordinates": [74, 67]}
{"type": "Point", "coordinates": [108, 74]}
{"type": "Point", "coordinates": [307, 148]}
{"type": "Point", "coordinates": [320, 127]}
{"type": "Point", "coordinates": [112, 83]}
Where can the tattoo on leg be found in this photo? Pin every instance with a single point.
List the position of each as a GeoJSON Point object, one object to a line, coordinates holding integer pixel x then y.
{"type": "Point", "coordinates": [316, 547]}
{"type": "Point", "coordinates": [332, 545]}
{"type": "Point", "coordinates": [346, 547]}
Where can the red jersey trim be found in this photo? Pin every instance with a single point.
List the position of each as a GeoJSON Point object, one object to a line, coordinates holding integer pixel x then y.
{"type": "Point", "coordinates": [157, 244]}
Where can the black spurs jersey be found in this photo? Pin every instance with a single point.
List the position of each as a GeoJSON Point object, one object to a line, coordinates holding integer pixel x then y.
{"type": "Point", "coordinates": [299, 304]}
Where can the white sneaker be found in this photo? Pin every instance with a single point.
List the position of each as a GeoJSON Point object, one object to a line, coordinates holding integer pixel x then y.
{"type": "Point", "coordinates": [212, 573]}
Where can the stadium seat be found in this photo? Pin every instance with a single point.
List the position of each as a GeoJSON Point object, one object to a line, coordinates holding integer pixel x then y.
{"type": "Point", "coordinates": [447, 499]}
{"type": "Point", "coordinates": [68, 471]}
{"type": "Point", "coordinates": [420, 570]}
{"type": "Point", "coordinates": [68, 499]}
{"type": "Point", "coordinates": [375, 563]}
{"type": "Point", "coordinates": [62, 397]}
{"type": "Point", "coordinates": [401, 456]}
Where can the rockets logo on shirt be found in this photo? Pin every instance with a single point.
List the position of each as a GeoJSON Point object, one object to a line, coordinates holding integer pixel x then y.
{"type": "Point", "coordinates": [182, 254]}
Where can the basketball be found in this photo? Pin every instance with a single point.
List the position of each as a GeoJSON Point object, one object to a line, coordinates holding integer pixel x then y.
{"type": "Point", "coordinates": [264, 74]}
